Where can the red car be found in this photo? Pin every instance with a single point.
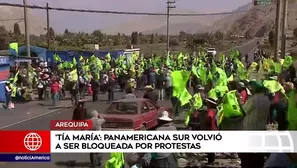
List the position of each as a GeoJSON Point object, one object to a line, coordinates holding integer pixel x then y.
{"type": "Point", "coordinates": [131, 114]}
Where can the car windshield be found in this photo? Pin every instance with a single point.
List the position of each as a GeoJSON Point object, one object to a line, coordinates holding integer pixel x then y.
{"type": "Point", "coordinates": [211, 49]}
{"type": "Point", "coordinates": [122, 108]}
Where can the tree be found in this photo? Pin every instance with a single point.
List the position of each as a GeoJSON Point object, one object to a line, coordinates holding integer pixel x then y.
{"type": "Point", "coordinates": [141, 38]}
{"type": "Point", "coordinates": [51, 33]}
{"type": "Point", "coordinates": [66, 32]}
{"type": "Point", "coordinates": [152, 40]}
{"type": "Point", "coordinates": [173, 43]}
{"type": "Point", "coordinates": [16, 29]}
{"type": "Point", "coordinates": [3, 38]}
{"type": "Point", "coordinates": [295, 32]}
{"type": "Point", "coordinates": [182, 35]}
{"type": "Point", "coordinates": [163, 39]}
{"type": "Point", "coordinates": [134, 37]}
{"type": "Point", "coordinates": [3, 43]}
{"type": "Point", "coordinates": [117, 40]}
{"type": "Point", "coordinates": [2, 30]}
{"type": "Point", "coordinates": [98, 35]}
{"type": "Point", "coordinates": [271, 36]}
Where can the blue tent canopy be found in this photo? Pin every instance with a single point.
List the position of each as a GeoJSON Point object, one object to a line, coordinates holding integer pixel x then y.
{"type": "Point", "coordinates": [64, 55]}
{"type": "Point", "coordinates": [114, 54]}
{"type": "Point", "coordinates": [40, 52]}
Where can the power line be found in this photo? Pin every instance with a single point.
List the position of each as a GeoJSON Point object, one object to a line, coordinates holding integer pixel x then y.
{"type": "Point", "coordinates": [118, 12]}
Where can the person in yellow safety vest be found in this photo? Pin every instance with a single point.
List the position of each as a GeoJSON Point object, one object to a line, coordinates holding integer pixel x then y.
{"type": "Point", "coordinates": [116, 161]}
{"type": "Point", "coordinates": [232, 110]}
{"type": "Point", "coordinates": [278, 98]}
{"type": "Point", "coordinates": [13, 93]}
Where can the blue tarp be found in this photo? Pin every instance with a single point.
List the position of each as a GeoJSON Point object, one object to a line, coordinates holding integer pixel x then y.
{"type": "Point", "coordinates": [2, 91]}
{"type": "Point", "coordinates": [68, 55]}
{"type": "Point", "coordinates": [4, 60]}
{"type": "Point", "coordinates": [40, 52]}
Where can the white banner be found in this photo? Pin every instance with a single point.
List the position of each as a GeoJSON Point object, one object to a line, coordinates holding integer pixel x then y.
{"type": "Point", "coordinates": [172, 141]}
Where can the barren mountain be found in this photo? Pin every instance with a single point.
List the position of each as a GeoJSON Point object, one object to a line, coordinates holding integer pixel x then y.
{"type": "Point", "coordinates": [197, 24]}
{"type": "Point", "coordinates": [175, 28]}
{"type": "Point", "coordinates": [203, 23]}
{"type": "Point", "coordinates": [227, 21]}
{"type": "Point", "coordinates": [257, 21]}
{"type": "Point", "coordinates": [6, 13]}
{"type": "Point", "coordinates": [157, 24]}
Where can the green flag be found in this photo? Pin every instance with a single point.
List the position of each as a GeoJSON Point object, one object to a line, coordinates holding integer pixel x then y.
{"type": "Point", "coordinates": [198, 103]}
{"type": "Point", "coordinates": [179, 81]}
{"type": "Point", "coordinates": [185, 97]}
{"type": "Point", "coordinates": [292, 109]}
{"type": "Point", "coordinates": [15, 47]}
{"type": "Point", "coordinates": [288, 62]}
{"type": "Point", "coordinates": [57, 58]}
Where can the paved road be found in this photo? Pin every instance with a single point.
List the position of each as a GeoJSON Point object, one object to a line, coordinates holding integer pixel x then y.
{"type": "Point", "coordinates": [40, 117]}
{"type": "Point", "coordinates": [43, 123]}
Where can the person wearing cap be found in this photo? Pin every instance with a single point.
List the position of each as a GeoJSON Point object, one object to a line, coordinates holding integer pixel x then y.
{"type": "Point", "coordinates": [278, 99]}
{"type": "Point", "coordinates": [243, 91]}
{"type": "Point", "coordinates": [151, 94]}
{"type": "Point", "coordinates": [165, 160]}
{"type": "Point", "coordinates": [233, 113]}
{"type": "Point", "coordinates": [208, 121]}
{"type": "Point", "coordinates": [286, 159]}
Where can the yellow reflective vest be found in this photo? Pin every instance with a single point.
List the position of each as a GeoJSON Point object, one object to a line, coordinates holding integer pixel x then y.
{"type": "Point", "coordinates": [116, 161]}
{"type": "Point", "coordinates": [231, 105]}
{"type": "Point", "coordinates": [13, 90]}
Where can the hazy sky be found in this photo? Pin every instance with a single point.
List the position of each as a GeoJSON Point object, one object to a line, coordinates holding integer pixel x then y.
{"type": "Point", "coordinates": [86, 21]}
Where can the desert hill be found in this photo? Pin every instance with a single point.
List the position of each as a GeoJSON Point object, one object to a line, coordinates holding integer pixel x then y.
{"type": "Point", "coordinates": [36, 24]}
{"type": "Point", "coordinates": [157, 24]}
{"type": "Point", "coordinates": [257, 21]}
{"type": "Point", "coordinates": [225, 23]}
{"type": "Point", "coordinates": [204, 23]}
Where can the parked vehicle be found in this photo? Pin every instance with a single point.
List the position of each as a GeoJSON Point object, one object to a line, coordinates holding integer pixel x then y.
{"type": "Point", "coordinates": [131, 114]}
{"type": "Point", "coordinates": [212, 51]}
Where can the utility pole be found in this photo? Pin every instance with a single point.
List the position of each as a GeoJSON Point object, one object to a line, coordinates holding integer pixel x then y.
{"type": "Point", "coordinates": [277, 26]}
{"type": "Point", "coordinates": [48, 26]}
{"type": "Point", "coordinates": [27, 26]}
{"type": "Point", "coordinates": [284, 28]}
{"type": "Point", "coordinates": [169, 7]}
